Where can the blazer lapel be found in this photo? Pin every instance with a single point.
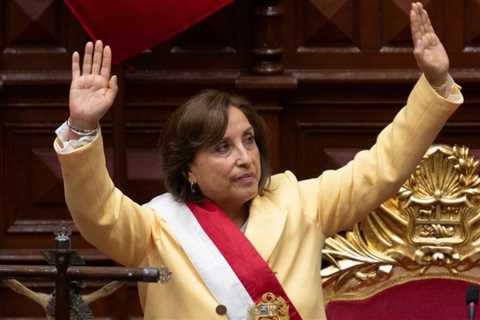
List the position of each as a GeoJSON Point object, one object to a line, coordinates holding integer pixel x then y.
{"type": "Point", "coordinates": [265, 225]}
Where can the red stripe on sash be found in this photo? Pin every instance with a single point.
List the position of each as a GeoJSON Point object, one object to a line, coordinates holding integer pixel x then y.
{"type": "Point", "coordinates": [254, 273]}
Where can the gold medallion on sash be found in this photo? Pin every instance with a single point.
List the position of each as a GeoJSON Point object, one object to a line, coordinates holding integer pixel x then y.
{"type": "Point", "coordinates": [270, 307]}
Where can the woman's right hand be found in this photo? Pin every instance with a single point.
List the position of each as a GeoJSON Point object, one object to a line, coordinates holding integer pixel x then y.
{"type": "Point", "coordinates": [92, 91]}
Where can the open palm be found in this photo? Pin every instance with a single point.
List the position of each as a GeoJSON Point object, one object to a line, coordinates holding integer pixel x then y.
{"type": "Point", "coordinates": [431, 57]}
{"type": "Point", "coordinates": [92, 91]}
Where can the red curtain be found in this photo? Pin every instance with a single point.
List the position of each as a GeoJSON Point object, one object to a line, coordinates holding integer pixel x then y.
{"type": "Point", "coordinates": [131, 26]}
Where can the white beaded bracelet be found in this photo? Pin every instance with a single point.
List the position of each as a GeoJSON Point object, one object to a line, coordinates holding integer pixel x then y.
{"type": "Point", "coordinates": [81, 132]}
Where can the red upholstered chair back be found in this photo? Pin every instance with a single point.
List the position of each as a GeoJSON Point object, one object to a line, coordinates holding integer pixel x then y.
{"type": "Point", "coordinates": [414, 256]}
{"type": "Point", "coordinates": [439, 299]}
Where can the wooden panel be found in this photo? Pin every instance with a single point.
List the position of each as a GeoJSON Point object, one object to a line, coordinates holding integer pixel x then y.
{"type": "Point", "coordinates": [373, 34]}
{"type": "Point", "coordinates": [328, 26]}
{"type": "Point", "coordinates": [33, 187]}
{"type": "Point", "coordinates": [329, 75]}
{"type": "Point", "coordinates": [324, 129]}
{"type": "Point", "coordinates": [144, 172]}
{"type": "Point", "coordinates": [38, 34]}
{"type": "Point", "coordinates": [323, 146]}
{"type": "Point", "coordinates": [323, 30]}
{"type": "Point", "coordinates": [471, 28]}
{"type": "Point", "coordinates": [395, 31]}
{"type": "Point", "coordinates": [31, 23]}
{"type": "Point", "coordinates": [32, 175]}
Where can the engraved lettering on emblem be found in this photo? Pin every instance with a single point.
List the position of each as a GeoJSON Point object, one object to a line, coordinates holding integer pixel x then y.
{"type": "Point", "coordinates": [270, 307]}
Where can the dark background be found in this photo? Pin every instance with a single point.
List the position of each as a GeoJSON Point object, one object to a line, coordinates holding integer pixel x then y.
{"type": "Point", "coordinates": [326, 75]}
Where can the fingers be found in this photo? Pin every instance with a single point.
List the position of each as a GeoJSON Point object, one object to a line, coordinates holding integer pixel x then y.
{"type": "Point", "coordinates": [432, 39]}
{"type": "Point", "coordinates": [419, 48]}
{"type": "Point", "coordinates": [418, 7]}
{"type": "Point", "coordinates": [416, 22]}
{"type": "Point", "coordinates": [422, 18]}
{"type": "Point", "coordinates": [428, 41]}
{"type": "Point", "coordinates": [421, 27]}
{"type": "Point", "coordinates": [113, 88]}
{"type": "Point", "coordinates": [113, 83]}
{"type": "Point", "coordinates": [97, 57]}
{"type": "Point", "coordinates": [87, 58]}
{"type": "Point", "coordinates": [107, 62]}
{"type": "Point", "coordinates": [414, 25]}
{"type": "Point", "coordinates": [426, 22]}
{"type": "Point", "coordinates": [96, 60]}
{"type": "Point", "coordinates": [75, 65]}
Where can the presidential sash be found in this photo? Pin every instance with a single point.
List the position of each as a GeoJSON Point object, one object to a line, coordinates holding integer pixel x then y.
{"type": "Point", "coordinates": [233, 270]}
{"type": "Point", "coordinates": [255, 274]}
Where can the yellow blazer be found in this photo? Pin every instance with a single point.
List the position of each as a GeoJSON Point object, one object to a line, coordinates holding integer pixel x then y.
{"type": "Point", "coordinates": [287, 225]}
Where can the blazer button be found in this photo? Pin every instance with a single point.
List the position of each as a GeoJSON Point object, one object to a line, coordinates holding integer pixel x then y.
{"type": "Point", "coordinates": [221, 310]}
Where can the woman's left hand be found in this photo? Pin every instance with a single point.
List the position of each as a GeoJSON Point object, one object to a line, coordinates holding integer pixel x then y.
{"type": "Point", "coordinates": [431, 57]}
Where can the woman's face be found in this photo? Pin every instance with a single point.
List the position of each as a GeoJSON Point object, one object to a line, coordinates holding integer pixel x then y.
{"type": "Point", "coordinates": [228, 172]}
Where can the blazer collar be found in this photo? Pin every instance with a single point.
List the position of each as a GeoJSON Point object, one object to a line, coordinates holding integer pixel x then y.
{"type": "Point", "coordinates": [265, 225]}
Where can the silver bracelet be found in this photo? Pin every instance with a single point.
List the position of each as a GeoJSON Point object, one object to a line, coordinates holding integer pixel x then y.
{"type": "Point", "coordinates": [81, 132]}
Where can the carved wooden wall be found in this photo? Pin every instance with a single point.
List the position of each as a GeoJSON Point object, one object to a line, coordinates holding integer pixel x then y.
{"type": "Point", "coordinates": [326, 75]}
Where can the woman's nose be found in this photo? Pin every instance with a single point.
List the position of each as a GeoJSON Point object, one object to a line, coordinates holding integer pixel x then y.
{"type": "Point", "coordinates": [243, 156]}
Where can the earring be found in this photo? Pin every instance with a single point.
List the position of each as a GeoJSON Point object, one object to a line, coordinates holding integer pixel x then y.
{"type": "Point", "coordinates": [192, 187]}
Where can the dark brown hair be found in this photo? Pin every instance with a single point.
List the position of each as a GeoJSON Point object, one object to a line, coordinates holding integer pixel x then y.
{"type": "Point", "coordinates": [201, 123]}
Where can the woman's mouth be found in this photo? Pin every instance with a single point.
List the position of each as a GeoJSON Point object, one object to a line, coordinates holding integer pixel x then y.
{"type": "Point", "coordinates": [245, 178]}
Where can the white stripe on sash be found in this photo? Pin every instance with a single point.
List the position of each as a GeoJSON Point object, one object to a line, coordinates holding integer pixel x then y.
{"type": "Point", "coordinates": [215, 271]}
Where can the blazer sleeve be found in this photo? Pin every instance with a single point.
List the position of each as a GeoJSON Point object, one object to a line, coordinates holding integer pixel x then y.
{"type": "Point", "coordinates": [339, 198]}
{"type": "Point", "coordinates": [109, 220]}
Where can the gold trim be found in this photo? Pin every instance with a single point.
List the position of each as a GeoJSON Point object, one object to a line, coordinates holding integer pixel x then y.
{"type": "Point", "coordinates": [270, 307]}
{"type": "Point", "coordinates": [430, 229]}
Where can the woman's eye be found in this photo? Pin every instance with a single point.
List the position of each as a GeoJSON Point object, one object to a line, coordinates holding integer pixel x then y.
{"type": "Point", "coordinates": [250, 139]}
{"type": "Point", "coordinates": [222, 147]}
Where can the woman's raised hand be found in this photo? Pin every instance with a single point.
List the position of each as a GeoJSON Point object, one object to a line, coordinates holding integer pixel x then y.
{"type": "Point", "coordinates": [92, 90]}
{"type": "Point", "coordinates": [432, 59]}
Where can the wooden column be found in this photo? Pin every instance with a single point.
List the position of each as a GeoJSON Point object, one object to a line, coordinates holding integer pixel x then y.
{"type": "Point", "coordinates": [268, 37]}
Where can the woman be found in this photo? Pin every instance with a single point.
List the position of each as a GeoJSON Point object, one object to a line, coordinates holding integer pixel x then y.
{"type": "Point", "coordinates": [240, 244]}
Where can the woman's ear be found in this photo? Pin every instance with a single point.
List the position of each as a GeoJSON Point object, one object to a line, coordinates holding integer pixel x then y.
{"type": "Point", "coordinates": [190, 176]}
